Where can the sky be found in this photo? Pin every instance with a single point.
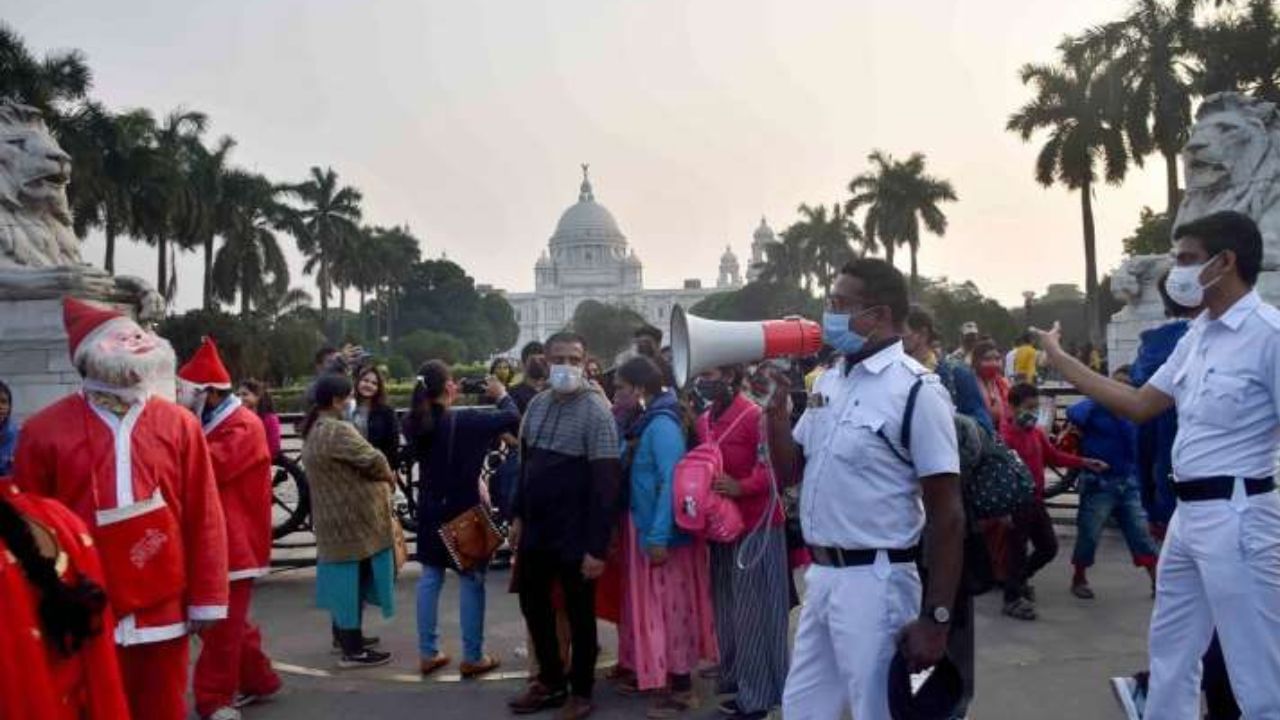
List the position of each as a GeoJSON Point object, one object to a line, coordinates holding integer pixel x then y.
{"type": "Point", "coordinates": [468, 120]}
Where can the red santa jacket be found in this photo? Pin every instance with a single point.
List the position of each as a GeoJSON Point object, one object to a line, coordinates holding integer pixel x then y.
{"type": "Point", "coordinates": [155, 445]}
{"type": "Point", "coordinates": [35, 680]}
{"type": "Point", "coordinates": [242, 466]}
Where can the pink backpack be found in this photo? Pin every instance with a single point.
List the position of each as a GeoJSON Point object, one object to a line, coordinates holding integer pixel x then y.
{"type": "Point", "coordinates": [699, 510]}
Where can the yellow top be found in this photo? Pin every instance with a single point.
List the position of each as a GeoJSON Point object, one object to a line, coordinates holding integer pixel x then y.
{"type": "Point", "coordinates": [1024, 363]}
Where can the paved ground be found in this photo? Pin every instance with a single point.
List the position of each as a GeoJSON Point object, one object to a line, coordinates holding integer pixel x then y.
{"type": "Point", "coordinates": [1056, 667]}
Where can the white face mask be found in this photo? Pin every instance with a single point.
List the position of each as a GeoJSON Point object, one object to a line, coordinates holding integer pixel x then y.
{"type": "Point", "coordinates": [566, 378]}
{"type": "Point", "coordinates": [1184, 286]}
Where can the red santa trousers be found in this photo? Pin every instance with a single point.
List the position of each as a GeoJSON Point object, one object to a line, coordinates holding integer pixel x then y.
{"type": "Point", "coordinates": [155, 678]}
{"type": "Point", "coordinates": [231, 659]}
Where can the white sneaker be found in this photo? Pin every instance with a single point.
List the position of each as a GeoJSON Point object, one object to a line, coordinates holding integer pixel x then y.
{"type": "Point", "coordinates": [1131, 696]}
{"type": "Point", "coordinates": [224, 713]}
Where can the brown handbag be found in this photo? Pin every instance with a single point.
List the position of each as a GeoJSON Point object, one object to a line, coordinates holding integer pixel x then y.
{"type": "Point", "coordinates": [471, 538]}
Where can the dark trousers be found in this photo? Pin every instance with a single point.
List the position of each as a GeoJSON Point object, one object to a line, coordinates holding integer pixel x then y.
{"type": "Point", "coordinates": [960, 646]}
{"type": "Point", "coordinates": [1030, 524]}
{"type": "Point", "coordinates": [1219, 699]}
{"type": "Point", "coordinates": [537, 572]}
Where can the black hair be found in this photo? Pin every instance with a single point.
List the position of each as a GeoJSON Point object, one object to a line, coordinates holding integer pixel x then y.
{"type": "Point", "coordinates": [425, 408]}
{"type": "Point", "coordinates": [70, 613]}
{"type": "Point", "coordinates": [493, 366]}
{"type": "Point", "coordinates": [8, 394]}
{"type": "Point", "coordinates": [323, 354]}
{"type": "Point", "coordinates": [1171, 308]}
{"type": "Point", "coordinates": [1022, 391]}
{"type": "Point", "coordinates": [1025, 339]}
{"type": "Point", "coordinates": [643, 373]}
{"type": "Point", "coordinates": [537, 369]}
{"type": "Point", "coordinates": [648, 331]}
{"type": "Point", "coordinates": [1126, 369]}
{"type": "Point", "coordinates": [1228, 230]}
{"type": "Point", "coordinates": [882, 284]}
{"type": "Point", "coordinates": [257, 387]}
{"type": "Point", "coordinates": [566, 337]}
{"type": "Point", "coordinates": [379, 398]}
{"type": "Point", "coordinates": [982, 348]}
{"type": "Point", "coordinates": [328, 388]}
{"type": "Point", "coordinates": [919, 319]}
{"type": "Point", "coordinates": [530, 349]}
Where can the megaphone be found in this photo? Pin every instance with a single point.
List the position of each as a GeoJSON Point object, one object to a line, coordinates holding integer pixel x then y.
{"type": "Point", "coordinates": [699, 344]}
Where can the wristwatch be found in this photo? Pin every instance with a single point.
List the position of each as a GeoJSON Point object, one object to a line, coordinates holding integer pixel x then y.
{"type": "Point", "coordinates": [940, 614]}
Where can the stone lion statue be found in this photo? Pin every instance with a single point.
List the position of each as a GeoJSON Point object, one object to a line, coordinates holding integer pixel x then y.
{"type": "Point", "coordinates": [1232, 162]}
{"type": "Point", "coordinates": [35, 221]}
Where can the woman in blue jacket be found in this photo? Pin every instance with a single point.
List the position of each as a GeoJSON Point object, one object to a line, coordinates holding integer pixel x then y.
{"type": "Point", "coordinates": [667, 623]}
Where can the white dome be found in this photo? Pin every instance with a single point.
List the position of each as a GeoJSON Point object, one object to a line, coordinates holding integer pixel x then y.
{"type": "Point", "coordinates": [728, 256]}
{"type": "Point", "coordinates": [764, 233]}
{"type": "Point", "coordinates": [587, 221]}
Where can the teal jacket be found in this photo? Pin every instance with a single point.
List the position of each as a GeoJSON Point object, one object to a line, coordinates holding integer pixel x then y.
{"type": "Point", "coordinates": [660, 445]}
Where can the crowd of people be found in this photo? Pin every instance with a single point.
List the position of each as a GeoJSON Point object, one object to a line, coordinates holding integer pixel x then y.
{"type": "Point", "coordinates": [677, 514]}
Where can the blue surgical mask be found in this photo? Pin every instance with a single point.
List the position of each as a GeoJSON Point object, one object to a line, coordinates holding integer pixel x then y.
{"type": "Point", "coordinates": [837, 334]}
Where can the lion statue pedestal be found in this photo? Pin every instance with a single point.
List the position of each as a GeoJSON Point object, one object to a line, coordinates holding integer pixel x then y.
{"type": "Point", "coordinates": [40, 264]}
{"type": "Point", "coordinates": [1231, 162]}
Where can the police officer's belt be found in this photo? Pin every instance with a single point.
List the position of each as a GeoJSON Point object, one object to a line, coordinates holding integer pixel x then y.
{"type": "Point", "coordinates": [1220, 488]}
{"type": "Point", "coordinates": [841, 558]}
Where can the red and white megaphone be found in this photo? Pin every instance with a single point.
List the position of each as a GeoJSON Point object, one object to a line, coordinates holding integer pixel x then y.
{"type": "Point", "coordinates": [699, 344]}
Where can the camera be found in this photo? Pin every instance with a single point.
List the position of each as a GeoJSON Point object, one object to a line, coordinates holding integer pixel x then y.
{"type": "Point", "coordinates": [473, 385]}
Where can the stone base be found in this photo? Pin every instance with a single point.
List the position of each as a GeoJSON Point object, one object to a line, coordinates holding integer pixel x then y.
{"type": "Point", "coordinates": [33, 354]}
{"type": "Point", "coordinates": [34, 361]}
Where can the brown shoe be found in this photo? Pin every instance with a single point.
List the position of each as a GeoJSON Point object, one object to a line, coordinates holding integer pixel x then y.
{"type": "Point", "coordinates": [485, 664]}
{"type": "Point", "coordinates": [426, 666]}
{"type": "Point", "coordinates": [672, 704]}
{"type": "Point", "coordinates": [536, 698]}
{"type": "Point", "coordinates": [576, 709]}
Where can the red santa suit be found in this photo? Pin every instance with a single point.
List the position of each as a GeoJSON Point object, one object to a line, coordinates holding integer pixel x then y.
{"type": "Point", "coordinates": [144, 485]}
{"type": "Point", "coordinates": [37, 681]}
{"type": "Point", "coordinates": [231, 660]}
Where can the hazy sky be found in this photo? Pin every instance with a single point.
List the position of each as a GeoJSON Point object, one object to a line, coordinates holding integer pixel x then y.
{"type": "Point", "coordinates": [467, 120]}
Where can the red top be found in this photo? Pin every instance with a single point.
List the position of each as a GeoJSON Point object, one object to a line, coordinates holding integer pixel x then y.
{"type": "Point", "coordinates": [64, 448]}
{"type": "Point", "coordinates": [1036, 451]}
{"type": "Point", "coordinates": [740, 450]}
{"type": "Point", "coordinates": [35, 680]}
{"type": "Point", "coordinates": [271, 423]}
{"type": "Point", "coordinates": [242, 466]}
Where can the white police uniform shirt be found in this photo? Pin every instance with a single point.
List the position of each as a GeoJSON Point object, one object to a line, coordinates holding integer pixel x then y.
{"type": "Point", "coordinates": [1220, 562]}
{"type": "Point", "coordinates": [1224, 375]}
{"type": "Point", "coordinates": [857, 494]}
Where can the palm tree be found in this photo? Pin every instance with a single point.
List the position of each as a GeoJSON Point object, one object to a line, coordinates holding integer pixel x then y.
{"type": "Point", "coordinates": [275, 305]}
{"type": "Point", "coordinates": [249, 263]}
{"type": "Point", "coordinates": [1081, 107]}
{"type": "Point", "coordinates": [207, 207]}
{"type": "Point", "coordinates": [824, 241]}
{"type": "Point", "coordinates": [785, 260]}
{"type": "Point", "coordinates": [327, 221]}
{"type": "Point", "coordinates": [898, 196]}
{"type": "Point", "coordinates": [48, 84]}
{"type": "Point", "coordinates": [1151, 51]}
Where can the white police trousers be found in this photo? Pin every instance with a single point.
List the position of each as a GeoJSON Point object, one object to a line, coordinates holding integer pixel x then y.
{"type": "Point", "coordinates": [847, 638]}
{"type": "Point", "coordinates": [1219, 568]}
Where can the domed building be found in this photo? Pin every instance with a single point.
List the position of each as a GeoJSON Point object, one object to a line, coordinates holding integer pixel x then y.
{"type": "Point", "coordinates": [588, 258]}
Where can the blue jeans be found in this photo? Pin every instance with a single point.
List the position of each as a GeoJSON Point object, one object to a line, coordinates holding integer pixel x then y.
{"type": "Point", "coordinates": [471, 601]}
{"type": "Point", "coordinates": [1103, 496]}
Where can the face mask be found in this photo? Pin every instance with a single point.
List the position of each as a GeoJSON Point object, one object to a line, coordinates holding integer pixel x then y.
{"type": "Point", "coordinates": [837, 334]}
{"type": "Point", "coordinates": [712, 390]}
{"type": "Point", "coordinates": [566, 378]}
{"type": "Point", "coordinates": [989, 370]}
{"type": "Point", "coordinates": [1027, 420]}
{"type": "Point", "coordinates": [1184, 286]}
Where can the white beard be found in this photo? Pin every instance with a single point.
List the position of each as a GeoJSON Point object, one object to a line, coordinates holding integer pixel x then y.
{"type": "Point", "coordinates": [153, 373]}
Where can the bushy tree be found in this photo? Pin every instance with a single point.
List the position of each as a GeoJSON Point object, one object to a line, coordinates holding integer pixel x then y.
{"type": "Point", "coordinates": [759, 301]}
{"type": "Point", "coordinates": [607, 328]}
{"type": "Point", "coordinates": [953, 304]}
{"type": "Point", "coordinates": [1153, 236]}
{"type": "Point", "coordinates": [420, 346]}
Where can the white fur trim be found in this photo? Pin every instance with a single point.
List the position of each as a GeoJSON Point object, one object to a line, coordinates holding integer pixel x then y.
{"type": "Point", "coordinates": [231, 404]}
{"type": "Point", "coordinates": [122, 432]}
{"type": "Point", "coordinates": [247, 574]}
{"type": "Point", "coordinates": [207, 612]}
{"type": "Point", "coordinates": [128, 632]}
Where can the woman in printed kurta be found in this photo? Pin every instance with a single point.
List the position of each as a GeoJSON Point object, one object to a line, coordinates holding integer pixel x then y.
{"type": "Point", "coordinates": [667, 623]}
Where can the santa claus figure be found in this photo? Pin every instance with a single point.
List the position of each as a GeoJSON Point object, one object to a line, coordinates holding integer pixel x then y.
{"type": "Point", "coordinates": [135, 468]}
{"type": "Point", "coordinates": [232, 670]}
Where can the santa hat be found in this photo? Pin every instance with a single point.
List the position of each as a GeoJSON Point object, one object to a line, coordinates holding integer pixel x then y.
{"type": "Point", "coordinates": [86, 323]}
{"type": "Point", "coordinates": [205, 368]}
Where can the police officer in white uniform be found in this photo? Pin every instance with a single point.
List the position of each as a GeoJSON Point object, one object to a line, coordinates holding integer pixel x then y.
{"type": "Point", "coordinates": [1220, 565]}
{"type": "Point", "coordinates": [865, 503]}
